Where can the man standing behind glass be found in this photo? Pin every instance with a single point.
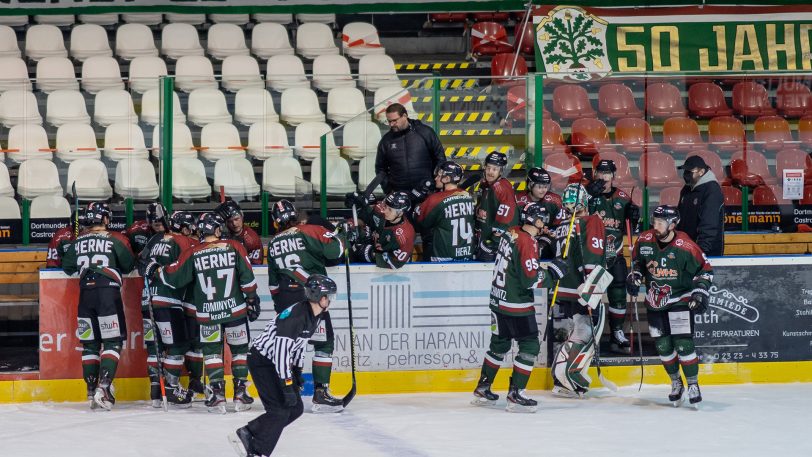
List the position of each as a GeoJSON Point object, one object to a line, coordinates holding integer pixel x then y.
{"type": "Point", "coordinates": [702, 207]}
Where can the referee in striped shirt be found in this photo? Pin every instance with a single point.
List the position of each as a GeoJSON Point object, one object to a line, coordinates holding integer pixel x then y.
{"type": "Point", "coordinates": [275, 362]}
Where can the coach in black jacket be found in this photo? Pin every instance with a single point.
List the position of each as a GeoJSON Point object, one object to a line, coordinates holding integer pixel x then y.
{"type": "Point", "coordinates": [408, 153]}
{"type": "Point", "coordinates": [702, 207]}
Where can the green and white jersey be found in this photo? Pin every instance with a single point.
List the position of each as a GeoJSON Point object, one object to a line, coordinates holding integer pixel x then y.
{"type": "Point", "coordinates": [165, 248]}
{"type": "Point", "coordinates": [449, 214]}
{"type": "Point", "coordinates": [496, 210]}
{"type": "Point", "coordinates": [107, 254]}
{"type": "Point", "coordinates": [219, 276]}
{"type": "Point", "coordinates": [612, 210]}
{"type": "Point", "coordinates": [299, 252]}
{"type": "Point", "coordinates": [516, 272]}
{"type": "Point", "coordinates": [585, 253]}
{"type": "Point", "coordinates": [672, 273]}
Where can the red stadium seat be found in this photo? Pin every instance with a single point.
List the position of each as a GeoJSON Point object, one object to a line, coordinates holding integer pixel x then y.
{"type": "Point", "coordinates": [526, 33]}
{"type": "Point", "coordinates": [517, 103]}
{"type": "Point", "coordinates": [707, 100]}
{"type": "Point", "coordinates": [488, 39]}
{"type": "Point", "coordinates": [571, 102]}
{"type": "Point", "coordinates": [552, 140]}
{"type": "Point", "coordinates": [805, 132]}
{"type": "Point", "coordinates": [563, 169]}
{"type": "Point", "coordinates": [751, 99]}
{"type": "Point", "coordinates": [589, 137]}
{"type": "Point", "coordinates": [807, 200]}
{"type": "Point", "coordinates": [714, 162]}
{"type": "Point", "coordinates": [793, 159]}
{"type": "Point", "coordinates": [634, 136]}
{"type": "Point", "coordinates": [670, 195]}
{"type": "Point", "coordinates": [664, 100]}
{"type": "Point", "coordinates": [657, 169]}
{"type": "Point", "coordinates": [616, 101]}
{"type": "Point", "coordinates": [502, 69]}
{"type": "Point", "coordinates": [771, 195]}
{"type": "Point", "coordinates": [492, 17]}
{"type": "Point", "coordinates": [750, 169]}
{"type": "Point", "coordinates": [636, 193]}
{"type": "Point", "coordinates": [771, 132]}
{"type": "Point", "coordinates": [726, 134]}
{"type": "Point", "coordinates": [681, 134]}
{"type": "Point", "coordinates": [448, 17]}
{"type": "Point", "coordinates": [793, 99]}
{"type": "Point", "coordinates": [733, 196]}
{"type": "Point", "coordinates": [623, 176]}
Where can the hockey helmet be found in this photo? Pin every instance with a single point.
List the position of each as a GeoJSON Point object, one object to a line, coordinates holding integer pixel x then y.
{"type": "Point", "coordinates": [668, 213]}
{"type": "Point", "coordinates": [228, 209]}
{"type": "Point", "coordinates": [533, 212]}
{"type": "Point", "coordinates": [155, 212]}
{"type": "Point", "coordinates": [496, 158]}
{"type": "Point", "coordinates": [318, 286]}
{"type": "Point", "coordinates": [575, 197]}
{"type": "Point", "coordinates": [208, 223]}
{"type": "Point", "coordinates": [538, 176]}
{"type": "Point", "coordinates": [398, 201]}
{"type": "Point", "coordinates": [451, 169]}
{"type": "Point", "coordinates": [181, 220]}
{"type": "Point", "coordinates": [283, 213]}
{"type": "Point", "coordinates": [606, 166]}
{"type": "Point", "coordinates": [96, 212]}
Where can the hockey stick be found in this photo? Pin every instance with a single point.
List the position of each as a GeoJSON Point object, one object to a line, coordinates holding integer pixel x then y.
{"type": "Point", "coordinates": [634, 304]}
{"type": "Point", "coordinates": [597, 342]}
{"type": "Point", "coordinates": [351, 394]}
{"type": "Point", "coordinates": [470, 181]}
{"type": "Point", "coordinates": [156, 335]}
{"type": "Point", "coordinates": [75, 210]}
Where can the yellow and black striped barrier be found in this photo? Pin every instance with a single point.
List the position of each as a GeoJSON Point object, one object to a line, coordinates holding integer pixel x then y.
{"type": "Point", "coordinates": [445, 83]}
{"type": "Point", "coordinates": [472, 116]}
{"type": "Point", "coordinates": [453, 99]}
{"type": "Point", "coordinates": [473, 152]}
{"type": "Point", "coordinates": [433, 66]}
{"type": "Point", "coordinates": [472, 132]}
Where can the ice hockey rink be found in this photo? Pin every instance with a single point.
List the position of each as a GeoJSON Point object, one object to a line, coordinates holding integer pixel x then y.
{"type": "Point", "coordinates": [741, 420]}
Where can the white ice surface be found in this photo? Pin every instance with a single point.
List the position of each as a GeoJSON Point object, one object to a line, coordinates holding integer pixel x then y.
{"type": "Point", "coordinates": [740, 421]}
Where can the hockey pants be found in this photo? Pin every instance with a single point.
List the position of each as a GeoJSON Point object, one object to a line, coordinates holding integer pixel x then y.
{"type": "Point", "coordinates": [213, 337]}
{"type": "Point", "coordinates": [101, 329]}
{"type": "Point", "coordinates": [673, 331]}
{"type": "Point", "coordinates": [616, 292]}
{"type": "Point", "coordinates": [504, 330]}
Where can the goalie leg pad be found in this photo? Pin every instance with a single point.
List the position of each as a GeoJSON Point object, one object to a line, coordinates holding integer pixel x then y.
{"type": "Point", "coordinates": [593, 287]}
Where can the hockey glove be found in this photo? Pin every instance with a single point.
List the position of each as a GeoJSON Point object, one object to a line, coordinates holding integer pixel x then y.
{"type": "Point", "coordinates": [595, 188]}
{"type": "Point", "coordinates": [633, 213]}
{"type": "Point", "coordinates": [698, 303]}
{"type": "Point", "coordinates": [362, 252]}
{"type": "Point", "coordinates": [253, 307]}
{"type": "Point", "coordinates": [289, 394]}
{"type": "Point", "coordinates": [297, 376]}
{"type": "Point", "coordinates": [354, 199]}
{"type": "Point", "coordinates": [419, 193]}
{"type": "Point", "coordinates": [487, 251]}
{"type": "Point", "coordinates": [557, 268]}
{"type": "Point", "coordinates": [633, 282]}
{"type": "Point", "coordinates": [151, 269]}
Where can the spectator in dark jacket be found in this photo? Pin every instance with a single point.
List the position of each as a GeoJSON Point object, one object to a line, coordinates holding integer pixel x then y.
{"type": "Point", "coordinates": [702, 207]}
{"type": "Point", "coordinates": [408, 153]}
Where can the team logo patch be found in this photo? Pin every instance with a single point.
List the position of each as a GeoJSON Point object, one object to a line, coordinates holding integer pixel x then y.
{"type": "Point", "coordinates": [285, 313]}
{"type": "Point", "coordinates": [84, 330]}
{"type": "Point", "coordinates": [237, 335]}
{"type": "Point", "coordinates": [109, 326]}
{"type": "Point", "coordinates": [209, 333]}
{"type": "Point", "coordinates": [149, 335]}
{"type": "Point", "coordinates": [399, 231]}
{"type": "Point", "coordinates": [618, 205]}
{"type": "Point", "coordinates": [658, 295]}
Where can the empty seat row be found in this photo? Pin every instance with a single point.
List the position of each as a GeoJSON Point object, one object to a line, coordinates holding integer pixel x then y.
{"type": "Point", "coordinates": [157, 18]}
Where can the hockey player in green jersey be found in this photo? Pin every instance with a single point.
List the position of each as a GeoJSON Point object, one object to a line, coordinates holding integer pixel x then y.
{"type": "Point", "coordinates": [223, 290]}
{"type": "Point", "coordinates": [496, 207]}
{"type": "Point", "coordinates": [517, 271]}
{"type": "Point", "coordinates": [677, 276]}
{"type": "Point", "coordinates": [392, 240]}
{"type": "Point", "coordinates": [614, 207]}
{"type": "Point", "coordinates": [579, 292]}
{"type": "Point", "coordinates": [101, 258]}
{"type": "Point", "coordinates": [538, 184]}
{"type": "Point", "coordinates": [449, 215]}
{"type": "Point", "coordinates": [294, 253]}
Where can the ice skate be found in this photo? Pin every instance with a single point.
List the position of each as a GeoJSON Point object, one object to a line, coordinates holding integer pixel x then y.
{"type": "Point", "coordinates": [242, 401]}
{"type": "Point", "coordinates": [178, 397]}
{"type": "Point", "coordinates": [694, 395]}
{"type": "Point", "coordinates": [324, 401]}
{"type": "Point", "coordinates": [197, 389]}
{"type": "Point", "coordinates": [619, 343]}
{"type": "Point", "coordinates": [677, 389]}
{"type": "Point", "coordinates": [241, 442]}
{"type": "Point", "coordinates": [560, 391]}
{"type": "Point", "coordinates": [216, 403]}
{"type": "Point", "coordinates": [483, 395]}
{"type": "Point", "coordinates": [91, 391]}
{"type": "Point", "coordinates": [517, 402]}
{"type": "Point", "coordinates": [103, 397]}
{"type": "Point", "coordinates": [155, 395]}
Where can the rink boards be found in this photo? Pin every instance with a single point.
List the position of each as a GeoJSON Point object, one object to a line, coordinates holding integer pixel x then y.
{"type": "Point", "coordinates": [426, 327]}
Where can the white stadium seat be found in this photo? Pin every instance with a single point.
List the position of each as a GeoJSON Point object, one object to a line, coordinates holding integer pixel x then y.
{"type": "Point", "coordinates": [315, 39]}
{"type": "Point", "coordinates": [277, 18]}
{"type": "Point", "coordinates": [253, 105]}
{"type": "Point", "coordinates": [360, 139]}
{"type": "Point", "coordinates": [99, 19]}
{"type": "Point", "coordinates": [376, 71]}
{"type": "Point", "coordinates": [387, 95]}
{"type": "Point", "coordinates": [14, 75]}
{"type": "Point", "coordinates": [9, 209]}
{"type": "Point", "coordinates": [236, 176]}
{"type": "Point", "coordinates": [44, 40]}
{"type": "Point", "coordinates": [194, 72]}
{"type": "Point", "coordinates": [50, 206]}
{"type": "Point", "coordinates": [280, 176]}
{"type": "Point", "coordinates": [331, 71]}
{"type": "Point", "coordinates": [207, 106]}
{"type": "Point", "coordinates": [178, 40]}
{"type": "Point", "coordinates": [345, 103]}
{"type": "Point", "coordinates": [142, 18]}
{"type": "Point", "coordinates": [226, 40]}
{"type": "Point", "coordinates": [28, 141]}
{"type": "Point", "coordinates": [135, 40]}
{"type": "Point", "coordinates": [184, 18]}
{"type": "Point", "coordinates": [239, 72]}
{"type": "Point", "coordinates": [268, 139]}
{"type": "Point", "coordinates": [14, 21]}
{"type": "Point", "coordinates": [319, 18]}
{"type": "Point", "coordinates": [38, 177]}
{"type": "Point", "coordinates": [220, 140]}
{"type": "Point", "coordinates": [135, 178]}
{"type": "Point", "coordinates": [19, 107]}
{"type": "Point", "coordinates": [151, 107]}
{"type": "Point", "coordinates": [124, 141]}
{"type": "Point", "coordinates": [55, 73]}
{"type": "Point", "coordinates": [238, 19]}
{"type": "Point", "coordinates": [99, 73]}
{"type": "Point", "coordinates": [88, 40]}
{"type": "Point", "coordinates": [189, 179]}
{"type": "Point", "coordinates": [284, 72]}
{"type": "Point", "coordinates": [307, 142]}
{"type": "Point", "coordinates": [6, 190]}
{"type": "Point", "coordinates": [76, 141]}
{"type": "Point", "coordinates": [270, 39]}
{"type": "Point", "coordinates": [66, 106]}
{"type": "Point", "coordinates": [145, 73]}
{"type": "Point", "coordinates": [112, 106]}
{"type": "Point", "coordinates": [92, 181]}
{"type": "Point", "coordinates": [8, 42]}
{"type": "Point", "coordinates": [59, 20]}
{"type": "Point", "coordinates": [182, 145]}
{"type": "Point", "coordinates": [359, 39]}
{"type": "Point", "coordinates": [300, 105]}
{"type": "Point", "coordinates": [366, 173]}
{"type": "Point", "coordinates": [339, 179]}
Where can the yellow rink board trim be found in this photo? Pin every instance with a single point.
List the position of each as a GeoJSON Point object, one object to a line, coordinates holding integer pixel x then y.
{"type": "Point", "coordinates": [398, 382]}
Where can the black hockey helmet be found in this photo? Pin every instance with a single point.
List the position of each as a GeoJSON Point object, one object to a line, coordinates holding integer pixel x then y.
{"type": "Point", "coordinates": [533, 212]}
{"type": "Point", "coordinates": [451, 169]}
{"type": "Point", "coordinates": [606, 166]}
{"type": "Point", "coordinates": [538, 176]}
{"type": "Point", "coordinates": [181, 220]}
{"type": "Point", "coordinates": [208, 223]}
{"type": "Point", "coordinates": [228, 209]}
{"type": "Point", "coordinates": [96, 212]}
{"type": "Point", "coordinates": [496, 158]}
{"type": "Point", "coordinates": [156, 211]}
{"type": "Point", "coordinates": [669, 213]}
{"type": "Point", "coordinates": [318, 286]}
{"type": "Point", "coordinates": [283, 213]}
{"type": "Point", "coordinates": [398, 201]}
